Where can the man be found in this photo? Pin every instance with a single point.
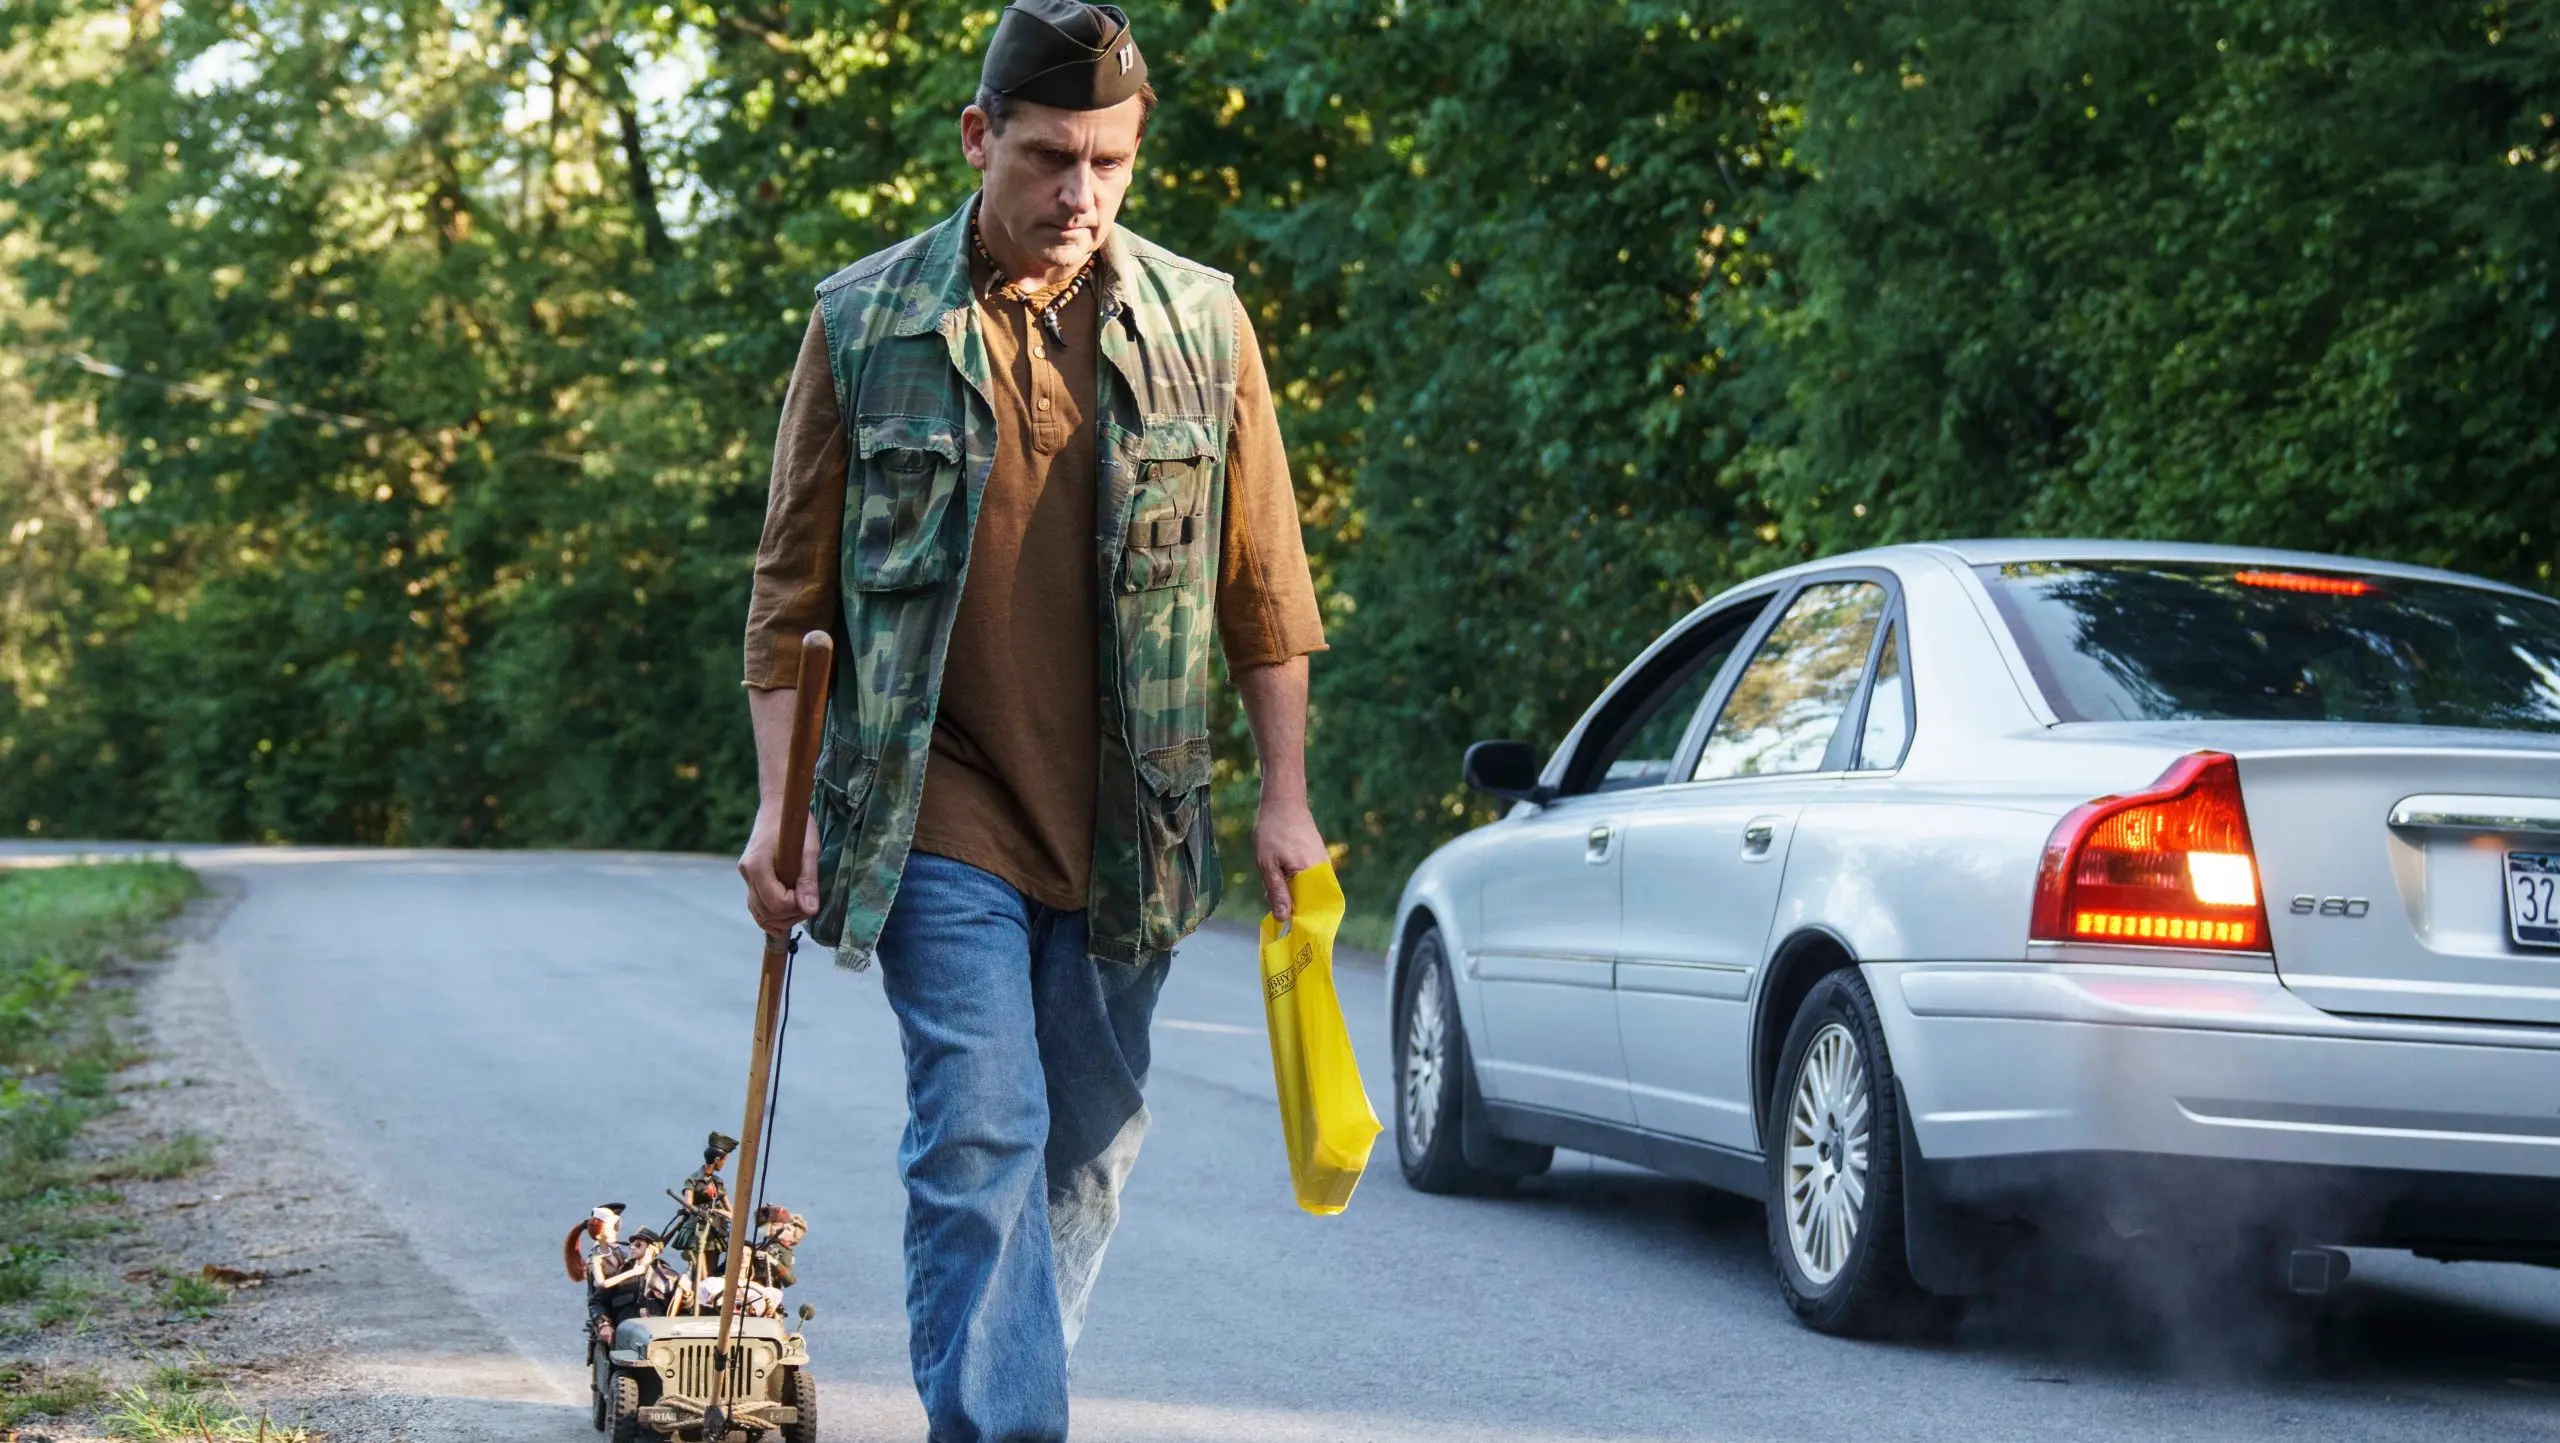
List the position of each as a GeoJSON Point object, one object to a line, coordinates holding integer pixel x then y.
{"type": "Point", "coordinates": [1026, 461]}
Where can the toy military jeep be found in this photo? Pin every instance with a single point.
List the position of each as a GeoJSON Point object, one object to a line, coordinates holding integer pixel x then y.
{"type": "Point", "coordinates": [658, 1381]}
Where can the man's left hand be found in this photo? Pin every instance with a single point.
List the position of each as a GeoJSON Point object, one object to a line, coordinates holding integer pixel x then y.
{"type": "Point", "coordinates": [1285, 843]}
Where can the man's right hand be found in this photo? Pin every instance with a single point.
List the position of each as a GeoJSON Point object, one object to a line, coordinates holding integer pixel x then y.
{"type": "Point", "coordinates": [778, 908]}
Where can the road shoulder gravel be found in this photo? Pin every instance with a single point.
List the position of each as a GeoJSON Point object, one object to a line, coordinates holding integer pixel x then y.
{"type": "Point", "coordinates": [334, 1322]}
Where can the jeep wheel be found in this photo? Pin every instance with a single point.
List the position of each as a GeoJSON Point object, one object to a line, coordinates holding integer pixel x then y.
{"type": "Point", "coordinates": [626, 1409]}
{"type": "Point", "coordinates": [801, 1391]}
{"type": "Point", "coordinates": [1835, 1168]}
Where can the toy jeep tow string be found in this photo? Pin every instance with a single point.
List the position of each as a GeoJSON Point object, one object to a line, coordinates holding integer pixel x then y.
{"type": "Point", "coordinates": [703, 1351]}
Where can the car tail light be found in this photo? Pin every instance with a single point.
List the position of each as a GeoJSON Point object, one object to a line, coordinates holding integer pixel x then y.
{"type": "Point", "coordinates": [2170, 866]}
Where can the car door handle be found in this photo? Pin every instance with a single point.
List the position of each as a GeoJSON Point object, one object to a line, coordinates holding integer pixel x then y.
{"type": "Point", "coordinates": [1758, 836]}
{"type": "Point", "coordinates": [1595, 848]}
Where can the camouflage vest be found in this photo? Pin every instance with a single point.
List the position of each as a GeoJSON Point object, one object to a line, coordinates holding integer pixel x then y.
{"type": "Point", "coordinates": [912, 383]}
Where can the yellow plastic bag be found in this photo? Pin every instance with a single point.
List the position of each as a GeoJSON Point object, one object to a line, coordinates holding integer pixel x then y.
{"type": "Point", "coordinates": [1324, 1111]}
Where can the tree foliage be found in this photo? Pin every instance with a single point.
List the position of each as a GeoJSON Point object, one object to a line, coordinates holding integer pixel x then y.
{"type": "Point", "coordinates": [1518, 252]}
{"type": "Point", "coordinates": [2276, 271]}
{"type": "Point", "coordinates": [450, 337]}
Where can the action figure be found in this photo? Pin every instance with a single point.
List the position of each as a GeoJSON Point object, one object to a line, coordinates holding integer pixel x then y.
{"type": "Point", "coordinates": [701, 1231]}
{"type": "Point", "coordinates": [770, 1263]}
{"type": "Point", "coordinates": [598, 1227]}
{"type": "Point", "coordinates": [662, 1283]}
{"type": "Point", "coordinates": [616, 1273]}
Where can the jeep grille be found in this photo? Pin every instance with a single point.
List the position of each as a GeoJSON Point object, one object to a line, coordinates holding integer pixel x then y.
{"type": "Point", "coordinates": [686, 1367]}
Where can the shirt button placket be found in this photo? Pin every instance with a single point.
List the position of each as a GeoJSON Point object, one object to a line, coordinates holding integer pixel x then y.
{"type": "Point", "coordinates": [1044, 388]}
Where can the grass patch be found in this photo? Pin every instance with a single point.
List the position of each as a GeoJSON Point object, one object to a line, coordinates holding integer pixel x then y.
{"type": "Point", "coordinates": [23, 1270]}
{"type": "Point", "coordinates": [196, 1375]}
{"type": "Point", "coordinates": [31, 1392]}
{"type": "Point", "coordinates": [159, 1162]}
{"type": "Point", "coordinates": [185, 1405]}
{"type": "Point", "coordinates": [189, 1401]}
{"type": "Point", "coordinates": [193, 1295]}
{"type": "Point", "coordinates": [62, 932]}
{"type": "Point", "coordinates": [59, 927]}
{"type": "Point", "coordinates": [69, 1300]}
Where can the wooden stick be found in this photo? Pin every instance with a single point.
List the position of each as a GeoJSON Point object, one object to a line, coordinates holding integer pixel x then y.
{"type": "Point", "coordinates": [817, 657]}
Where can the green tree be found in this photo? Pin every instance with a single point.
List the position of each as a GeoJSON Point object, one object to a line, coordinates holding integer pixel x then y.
{"type": "Point", "coordinates": [418, 534]}
{"type": "Point", "coordinates": [454, 366]}
{"type": "Point", "coordinates": [2273, 271]}
{"type": "Point", "coordinates": [58, 567]}
{"type": "Point", "coordinates": [1514, 283]}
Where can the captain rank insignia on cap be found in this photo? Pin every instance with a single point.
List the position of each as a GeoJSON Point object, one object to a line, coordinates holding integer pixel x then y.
{"type": "Point", "coordinates": [1064, 53]}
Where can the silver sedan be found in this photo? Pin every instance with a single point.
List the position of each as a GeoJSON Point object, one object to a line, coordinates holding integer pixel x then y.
{"type": "Point", "coordinates": [1944, 895]}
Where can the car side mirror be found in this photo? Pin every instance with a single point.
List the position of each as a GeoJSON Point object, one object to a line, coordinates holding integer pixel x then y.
{"type": "Point", "coordinates": [1506, 769]}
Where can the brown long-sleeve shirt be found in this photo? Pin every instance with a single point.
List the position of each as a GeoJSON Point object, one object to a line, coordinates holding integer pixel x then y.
{"type": "Point", "coordinates": [1010, 783]}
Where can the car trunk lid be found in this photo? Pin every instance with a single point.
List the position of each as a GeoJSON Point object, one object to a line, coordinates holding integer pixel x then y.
{"type": "Point", "coordinates": [2385, 873]}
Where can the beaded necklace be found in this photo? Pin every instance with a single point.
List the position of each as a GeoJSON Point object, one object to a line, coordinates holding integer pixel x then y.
{"type": "Point", "coordinates": [1046, 315]}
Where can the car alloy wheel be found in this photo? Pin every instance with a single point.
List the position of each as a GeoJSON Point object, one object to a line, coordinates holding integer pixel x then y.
{"type": "Point", "coordinates": [1443, 1146]}
{"type": "Point", "coordinates": [1827, 1140]}
{"type": "Point", "coordinates": [1425, 1079]}
{"type": "Point", "coordinates": [1833, 1150]}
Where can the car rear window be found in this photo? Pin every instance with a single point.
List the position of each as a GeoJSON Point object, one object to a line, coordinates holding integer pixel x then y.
{"type": "Point", "coordinates": [2154, 641]}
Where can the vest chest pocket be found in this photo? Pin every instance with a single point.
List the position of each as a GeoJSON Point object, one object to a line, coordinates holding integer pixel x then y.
{"type": "Point", "coordinates": [1166, 620]}
{"type": "Point", "coordinates": [1169, 542]}
{"type": "Point", "coordinates": [906, 470]}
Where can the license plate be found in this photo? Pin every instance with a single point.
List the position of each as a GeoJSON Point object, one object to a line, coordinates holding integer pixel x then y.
{"type": "Point", "coordinates": [2533, 898]}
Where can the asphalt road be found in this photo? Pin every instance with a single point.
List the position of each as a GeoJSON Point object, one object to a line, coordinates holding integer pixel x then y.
{"type": "Point", "coordinates": [495, 1042]}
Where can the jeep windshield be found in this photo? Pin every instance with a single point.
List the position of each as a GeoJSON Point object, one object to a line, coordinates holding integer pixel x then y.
{"type": "Point", "coordinates": [2173, 641]}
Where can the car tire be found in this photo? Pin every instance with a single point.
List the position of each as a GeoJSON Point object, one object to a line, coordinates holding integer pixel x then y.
{"type": "Point", "coordinates": [626, 1409]}
{"type": "Point", "coordinates": [1835, 1169]}
{"type": "Point", "coordinates": [802, 1391]}
{"type": "Point", "coordinates": [1435, 1085]}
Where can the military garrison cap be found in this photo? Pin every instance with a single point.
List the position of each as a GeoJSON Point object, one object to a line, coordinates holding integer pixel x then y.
{"type": "Point", "coordinates": [1064, 53]}
{"type": "Point", "coordinates": [720, 1145]}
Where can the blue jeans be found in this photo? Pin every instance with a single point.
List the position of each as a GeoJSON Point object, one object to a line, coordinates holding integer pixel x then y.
{"type": "Point", "coordinates": [1025, 1058]}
